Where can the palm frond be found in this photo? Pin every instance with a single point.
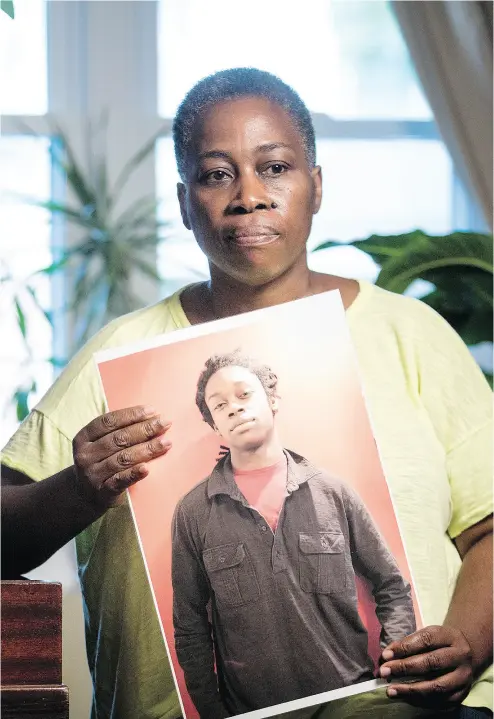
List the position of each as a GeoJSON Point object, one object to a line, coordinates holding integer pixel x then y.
{"type": "Point", "coordinates": [65, 160]}
{"type": "Point", "coordinates": [71, 214]}
{"type": "Point", "coordinates": [134, 162]}
{"type": "Point", "coordinates": [141, 210]}
{"type": "Point", "coordinates": [146, 268]}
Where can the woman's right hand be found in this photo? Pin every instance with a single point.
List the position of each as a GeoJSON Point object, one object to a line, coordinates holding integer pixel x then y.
{"type": "Point", "coordinates": [111, 452]}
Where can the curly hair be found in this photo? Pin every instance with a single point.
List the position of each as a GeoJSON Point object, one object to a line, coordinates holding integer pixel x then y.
{"type": "Point", "coordinates": [265, 375]}
{"type": "Point", "coordinates": [232, 84]}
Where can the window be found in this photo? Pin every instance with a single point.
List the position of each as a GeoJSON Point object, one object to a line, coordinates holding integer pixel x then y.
{"type": "Point", "coordinates": [346, 59]}
{"type": "Point", "coordinates": [376, 138]}
{"type": "Point", "coordinates": [23, 60]}
{"type": "Point", "coordinates": [25, 230]}
{"type": "Point", "coordinates": [25, 233]}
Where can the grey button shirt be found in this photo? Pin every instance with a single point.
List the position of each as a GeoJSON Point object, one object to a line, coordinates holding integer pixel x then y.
{"type": "Point", "coordinates": [263, 618]}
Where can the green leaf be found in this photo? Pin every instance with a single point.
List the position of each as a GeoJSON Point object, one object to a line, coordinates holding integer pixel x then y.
{"type": "Point", "coordinates": [379, 247]}
{"type": "Point", "coordinates": [21, 399]}
{"type": "Point", "coordinates": [8, 7]}
{"type": "Point", "coordinates": [471, 287]}
{"type": "Point", "coordinates": [133, 164]}
{"type": "Point", "coordinates": [56, 266]}
{"type": "Point", "coordinates": [422, 254]}
{"type": "Point", "coordinates": [57, 362]}
{"type": "Point", "coordinates": [327, 244]}
{"type": "Point", "coordinates": [83, 250]}
{"type": "Point", "coordinates": [21, 318]}
{"type": "Point", "coordinates": [102, 191]}
{"type": "Point", "coordinates": [94, 315]}
{"type": "Point", "coordinates": [64, 158]}
{"type": "Point", "coordinates": [139, 211]}
{"type": "Point", "coordinates": [47, 313]}
{"type": "Point", "coordinates": [472, 322]}
{"type": "Point", "coordinates": [146, 241]}
{"type": "Point", "coordinates": [72, 214]}
{"type": "Point", "coordinates": [146, 268]}
{"type": "Point", "coordinates": [87, 288]}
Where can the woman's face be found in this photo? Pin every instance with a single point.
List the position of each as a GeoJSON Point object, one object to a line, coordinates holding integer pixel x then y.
{"type": "Point", "coordinates": [249, 195]}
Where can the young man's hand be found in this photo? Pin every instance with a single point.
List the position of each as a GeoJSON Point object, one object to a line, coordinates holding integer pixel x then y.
{"type": "Point", "coordinates": [111, 452]}
{"type": "Point", "coordinates": [437, 659]}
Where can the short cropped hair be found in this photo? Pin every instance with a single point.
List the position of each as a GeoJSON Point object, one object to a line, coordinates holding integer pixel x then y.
{"type": "Point", "coordinates": [265, 375]}
{"type": "Point", "coordinates": [233, 84]}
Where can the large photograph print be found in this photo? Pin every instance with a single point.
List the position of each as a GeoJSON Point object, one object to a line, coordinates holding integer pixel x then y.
{"type": "Point", "coordinates": [268, 531]}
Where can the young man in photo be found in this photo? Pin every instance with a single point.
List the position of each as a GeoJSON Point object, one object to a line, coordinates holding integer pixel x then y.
{"type": "Point", "coordinates": [273, 544]}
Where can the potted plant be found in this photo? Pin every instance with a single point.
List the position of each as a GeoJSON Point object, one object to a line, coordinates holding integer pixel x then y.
{"type": "Point", "coordinates": [111, 245]}
{"type": "Point", "coordinates": [458, 268]}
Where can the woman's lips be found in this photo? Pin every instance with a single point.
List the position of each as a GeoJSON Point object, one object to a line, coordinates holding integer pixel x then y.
{"type": "Point", "coordinates": [253, 240]}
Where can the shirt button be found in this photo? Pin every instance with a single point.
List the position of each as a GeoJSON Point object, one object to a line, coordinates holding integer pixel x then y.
{"type": "Point", "coordinates": [263, 528]}
{"type": "Point", "coordinates": [222, 559]}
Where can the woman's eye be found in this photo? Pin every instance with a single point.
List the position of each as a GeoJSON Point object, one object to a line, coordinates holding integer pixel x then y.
{"type": "Point", "coordinates": [276, 169]}
{"type": "Point", "coordinates": [215, 177]}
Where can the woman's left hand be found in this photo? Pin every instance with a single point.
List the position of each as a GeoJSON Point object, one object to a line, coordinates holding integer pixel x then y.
{"type": "Point", "coordinates": [439, 659]}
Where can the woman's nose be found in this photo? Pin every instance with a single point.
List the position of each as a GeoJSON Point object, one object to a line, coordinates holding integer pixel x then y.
{"type": "Point", "coordinates": [251, 195]}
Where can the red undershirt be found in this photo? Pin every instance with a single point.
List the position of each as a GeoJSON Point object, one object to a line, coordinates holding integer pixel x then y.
{"type": "Point", "coordinates": [264, 489]}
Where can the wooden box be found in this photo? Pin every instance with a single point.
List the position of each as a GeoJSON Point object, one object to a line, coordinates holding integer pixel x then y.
{"type": "Point", "coordinates": [31, 651]}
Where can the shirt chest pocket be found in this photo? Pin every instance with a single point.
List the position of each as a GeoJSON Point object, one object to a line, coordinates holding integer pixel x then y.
{"type": "Point", "coordinates": [231, 574]}
{"type": "Point", "coordinates": [322, 562]}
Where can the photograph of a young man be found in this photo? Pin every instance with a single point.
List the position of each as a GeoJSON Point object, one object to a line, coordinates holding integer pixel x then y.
{"type": "Point", "coordinates": [265, 553]}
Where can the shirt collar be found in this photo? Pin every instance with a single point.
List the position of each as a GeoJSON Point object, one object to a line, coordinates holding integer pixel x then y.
{"type": "Point", "coordinates": [221, 479]}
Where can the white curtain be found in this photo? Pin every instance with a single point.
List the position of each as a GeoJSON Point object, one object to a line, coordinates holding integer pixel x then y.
{"type": "Point", "coordinates": [451, 45]}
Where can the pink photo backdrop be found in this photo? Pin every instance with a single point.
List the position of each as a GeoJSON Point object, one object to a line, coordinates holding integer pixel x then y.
{"type": "Point", "coordinates": [322, 416]}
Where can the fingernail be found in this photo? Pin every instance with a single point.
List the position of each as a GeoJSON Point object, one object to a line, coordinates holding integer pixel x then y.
{"type": "Point", "coordinates": [385, 671]}
{"type": "Point", "coordinates": [387, 654]}
{"type": "Point", "coordinates": [392, 692]}
{"type": "Point", "coordinates": [149, 410]}
{"type": "Point", "coordinates": [164, 442]}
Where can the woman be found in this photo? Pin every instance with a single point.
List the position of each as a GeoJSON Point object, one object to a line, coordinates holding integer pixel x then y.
{"type": "Point", "coordinates": [250, 186]}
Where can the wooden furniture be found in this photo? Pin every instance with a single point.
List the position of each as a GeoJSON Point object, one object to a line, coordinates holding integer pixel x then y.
{"type": "Point", "coordinates": [31, 651]}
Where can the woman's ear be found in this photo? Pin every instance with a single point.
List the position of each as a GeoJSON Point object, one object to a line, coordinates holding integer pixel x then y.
{"type": "Point", "coordinates": [182, 201]}
{"type": "Point", "coordinates": [317, 186]}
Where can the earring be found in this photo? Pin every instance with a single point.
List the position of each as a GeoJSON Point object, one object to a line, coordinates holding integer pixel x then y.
{"type": "Point", "coordinates": [274, 205]}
